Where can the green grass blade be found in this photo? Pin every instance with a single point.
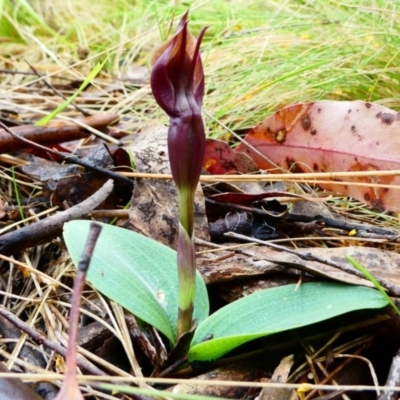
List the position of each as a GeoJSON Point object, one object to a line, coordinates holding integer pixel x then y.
{"type": "Point", "coordinates": [16, 191]}
{"type": "Point", "coordinates": [372, 279]}
{"type": "Point", "coordinates": [29, 10]}
{"type": "Point", "coordinates": [93, 73]}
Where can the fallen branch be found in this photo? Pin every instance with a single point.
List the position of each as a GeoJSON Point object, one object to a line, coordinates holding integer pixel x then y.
{"type": "Point", "coordinates": [45, 230]}
{"type": "Point", "coordinates": [55, 132]}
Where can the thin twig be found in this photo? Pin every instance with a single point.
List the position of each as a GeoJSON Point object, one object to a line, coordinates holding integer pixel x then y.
{"type": "Point", "coordinates": [70, 158]}
{"type": "Point", "coordinates": [28, 73]}
{"type": "Point", "coordinates": [40, 338]}
{"type": "Point", "coordinates": [45, 230]}
{"type": "Point", "coordinates": [393, 289]}
{"type": "Point", "coordinates": [274, 177]}
{"type": "Point", "coordinates": [70, 386]}
{"type": "Point", "coordinates": [362, 230]}
{"type": "Point", "coordinates": [55, 90]}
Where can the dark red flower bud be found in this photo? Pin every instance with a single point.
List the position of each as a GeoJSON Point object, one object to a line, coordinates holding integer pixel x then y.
{"type": "Point", "coordinates": [177, 82]}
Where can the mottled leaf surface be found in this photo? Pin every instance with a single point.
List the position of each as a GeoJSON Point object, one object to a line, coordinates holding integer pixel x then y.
{"type": "Point", "coordinates": [333, 136]}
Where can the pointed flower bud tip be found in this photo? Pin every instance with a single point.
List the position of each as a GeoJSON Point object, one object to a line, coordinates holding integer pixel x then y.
{"type": "Point", "coordinates": [177, 79]}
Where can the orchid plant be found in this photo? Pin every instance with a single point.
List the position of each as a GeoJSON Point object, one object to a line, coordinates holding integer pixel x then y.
{"type": "Point", "coordinates": [142, 275]}
{"type": "Point", "coordinates": [177, 82]}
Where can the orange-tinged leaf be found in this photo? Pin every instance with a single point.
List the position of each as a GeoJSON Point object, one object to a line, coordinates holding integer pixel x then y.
{"type": "Point", "coordinates": [333, 136]}
{"type": "Point", "coordinates": [219, 158]}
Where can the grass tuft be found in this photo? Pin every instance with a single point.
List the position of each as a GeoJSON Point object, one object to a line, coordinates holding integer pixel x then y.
{"type": "Point", "coordinates": [259, 55]}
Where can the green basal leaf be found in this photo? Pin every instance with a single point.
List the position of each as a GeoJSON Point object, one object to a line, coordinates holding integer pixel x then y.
{"type": "Point", "coordinates": [138, 273]}
{"type": "Point", "coordinates": [277, 310]}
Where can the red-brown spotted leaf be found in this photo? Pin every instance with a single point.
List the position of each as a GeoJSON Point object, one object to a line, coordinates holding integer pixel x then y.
{"type": "Point", "coordinates": [220, 159]}
{"type": "Point", "coordinates": [333, 136]}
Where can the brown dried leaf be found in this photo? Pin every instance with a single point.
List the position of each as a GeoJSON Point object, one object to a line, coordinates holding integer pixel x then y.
{"type": "Point", "coordinates": [333, 136]}
{"type": "Point", "coordinates": [154, 209]}
{"type": "Point", "coordinates": [220, 159]}
{"type": "Point", "coordinates": [242, 372]}
{"type": "Point", "coordinates": [280, 375]}
{"type": "Point", "coordinates": [259, 261]}
{"type": "Point", "coordinates": [70, 182]}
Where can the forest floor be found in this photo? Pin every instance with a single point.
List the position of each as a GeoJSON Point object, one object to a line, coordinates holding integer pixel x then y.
{"type": "Point", "coordinates": [259, 57]}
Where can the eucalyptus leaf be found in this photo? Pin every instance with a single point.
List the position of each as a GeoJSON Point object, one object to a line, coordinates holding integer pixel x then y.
{"type": "Point", "coordinates": [136, 272]}
{"type": "Point", "coordinates": [276, 310]}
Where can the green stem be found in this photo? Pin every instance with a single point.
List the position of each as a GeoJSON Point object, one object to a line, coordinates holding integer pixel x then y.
{"type": "Point", "coordinates": [186, 262]}
{"type": "Point", "coordinates": [186, 209]}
